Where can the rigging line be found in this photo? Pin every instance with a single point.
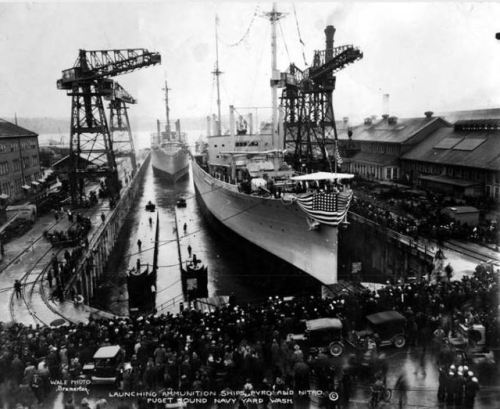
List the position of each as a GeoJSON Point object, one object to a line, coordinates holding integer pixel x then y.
{"type": "Point", "coordinates": [168, 286]}
{"type": "Point", "coordinates": [247, 31]}
{"type": "Point", "coordinates": [128, 256]}
{"type": "Point", "coordinates": [298, 32]}
{"type": "Point", "coordinates": [284, 41]}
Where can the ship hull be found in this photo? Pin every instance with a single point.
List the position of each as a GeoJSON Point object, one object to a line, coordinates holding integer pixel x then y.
{"type": "Point", "coordinates": [170, 166]}
{"type": "Point", "coordinates": [279, 228]}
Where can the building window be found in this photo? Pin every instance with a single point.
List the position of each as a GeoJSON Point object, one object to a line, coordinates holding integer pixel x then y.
{"type": "Point", "coordinates": [4, 168]}
{"type": "Point", "coordinates": [388, 173]}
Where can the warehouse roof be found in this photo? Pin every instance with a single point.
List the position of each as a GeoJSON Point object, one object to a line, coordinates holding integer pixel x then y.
{"type": "Point", "coordinates": [397, 130]}
{"type": "Point", "coordinates": [471, 148]}
{"type": "Point", "coordinates": [492, 113]}
{"type": "Point", "coordinates": [10, 130]}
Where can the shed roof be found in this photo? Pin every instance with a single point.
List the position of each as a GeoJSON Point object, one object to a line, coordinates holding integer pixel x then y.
{"type": "Point", "coordinates": [474, 148]}
{"type": "Point", "coordinates": [446, 180]}
{"type": "Point", "coordinates": [462, 209]}
{"type": "Point", "coordinates": [489, 113]}
{"type": "Point", "coordinates": [10, 130]}
{"type": "Point", "coordinates": [65, 160]}
{"type": "Point", "coordinates": [383, 131]}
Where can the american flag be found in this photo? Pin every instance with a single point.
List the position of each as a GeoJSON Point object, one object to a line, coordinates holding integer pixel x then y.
{"type": "Point", "coordinates": [326, 208]}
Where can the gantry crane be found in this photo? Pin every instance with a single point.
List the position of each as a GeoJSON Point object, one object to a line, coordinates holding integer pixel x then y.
{"type": "Point", "coordinates": [310, 133]}
{"type": "Point", "coordinates": [119, 124]}
{"type": "Point", "coordinates": [92, 151]}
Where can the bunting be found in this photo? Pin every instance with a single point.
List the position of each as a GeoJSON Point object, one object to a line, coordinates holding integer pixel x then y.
{"type": "Point", "coordinates": [326, 208]}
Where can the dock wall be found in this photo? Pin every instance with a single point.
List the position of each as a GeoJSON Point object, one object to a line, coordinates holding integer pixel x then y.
{"type": "Point", "coordinates": [384, 254]}
{"type": "Point", "coordinates": [92, 265]}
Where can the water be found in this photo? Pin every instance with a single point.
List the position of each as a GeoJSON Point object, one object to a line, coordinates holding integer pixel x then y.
{"type": "Point", "coordinates": [235, 267]}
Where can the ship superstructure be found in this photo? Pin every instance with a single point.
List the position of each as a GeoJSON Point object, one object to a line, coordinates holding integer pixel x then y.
{"type": "Point", "coordinates": [169, 151]}
{"type": "Point", "coordinates": [243, 180]}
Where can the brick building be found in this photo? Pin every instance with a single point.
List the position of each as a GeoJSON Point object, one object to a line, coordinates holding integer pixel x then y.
{"type": "Point", "coordinates": [19, 161]}
{"type": "Point", "coordinates": [373, 150]}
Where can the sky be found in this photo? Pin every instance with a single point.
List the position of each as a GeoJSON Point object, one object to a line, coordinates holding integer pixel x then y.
{"type": "Point", "coordinates": [427, 56]}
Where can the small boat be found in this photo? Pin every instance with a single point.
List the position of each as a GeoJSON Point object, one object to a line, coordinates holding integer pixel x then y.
{"type": "Point", "coordinates": [150, 207]}
{"type": "Point", "coordinates": [181, 202]}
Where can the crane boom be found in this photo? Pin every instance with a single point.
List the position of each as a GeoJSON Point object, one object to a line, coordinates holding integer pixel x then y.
{"type": "Point", "coordinates": [97, 64]}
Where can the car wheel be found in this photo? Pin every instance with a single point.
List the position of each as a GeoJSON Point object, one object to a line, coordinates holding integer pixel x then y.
{"type": "Point", "coordinates": [336, 349]}
{"type": "Point", "coordinates": [399, 341]}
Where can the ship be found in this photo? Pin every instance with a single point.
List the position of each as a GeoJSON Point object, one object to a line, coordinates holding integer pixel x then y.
{"type": "Point", "coordinates": [169, 151]}
{"type": "Point", "coordinates": [244, 182]}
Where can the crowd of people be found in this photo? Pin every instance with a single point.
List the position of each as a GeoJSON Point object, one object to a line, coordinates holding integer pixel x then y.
{"type": "Point", "coordinates": [77, 231]}
{"type": "Point", "coordinates": [432, 224]}
{"type": "Point", "coordinates": [238, 346]}
{"type": "Point", "coordinates": [62, 270]}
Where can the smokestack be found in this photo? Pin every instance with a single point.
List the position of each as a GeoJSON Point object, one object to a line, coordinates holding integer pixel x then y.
{"type": "Point", "coordinates": [329, 33]}
{"type": "Point", "coordinates": [385, 106]}
{"type": "Point", "coordinates": [428, 114]}
{"type": "Point", "coordinates": [158, 130]}
{"type": "Point", "coordinates": [209, 126]}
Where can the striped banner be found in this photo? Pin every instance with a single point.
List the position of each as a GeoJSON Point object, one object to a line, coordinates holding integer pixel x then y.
{"type": "Point", "coordinates": [326, 208]}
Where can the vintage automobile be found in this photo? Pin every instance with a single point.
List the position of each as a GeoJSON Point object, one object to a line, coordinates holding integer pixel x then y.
{"type": "Point", "coordinates": [469, 345]}
{"type": "Point", "coordinates": [388, 325]}
{"type": "Point", "coordinates": [321, 333]}
{"type": "Point", "coordinates": [106, 366]}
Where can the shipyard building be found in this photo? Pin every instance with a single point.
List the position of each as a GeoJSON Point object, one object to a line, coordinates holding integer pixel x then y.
{"type": "Point", "coordinates": [456, 154]}
{"type": "Point", "coordinates": [19, 161]}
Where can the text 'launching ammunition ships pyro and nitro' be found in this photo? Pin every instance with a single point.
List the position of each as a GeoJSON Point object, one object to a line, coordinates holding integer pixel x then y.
{"type": "Point", "coordinates": [244, 179]}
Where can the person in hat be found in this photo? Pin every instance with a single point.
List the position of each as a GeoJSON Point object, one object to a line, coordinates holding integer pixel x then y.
{"type": "Point", "coordinates": [69, 403]}
{"type": "Point", "coordinates": [17, 288]}
{"type": "Point", "coordinates": [470, 391]}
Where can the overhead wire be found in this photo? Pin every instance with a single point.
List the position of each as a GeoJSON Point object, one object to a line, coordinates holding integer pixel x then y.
{"type": "Point", "coordinates": [300, 36]}
{"type": "Point", "coordinates": [128, 256]}
{"type": "Point", "coordinates": [284, 41]}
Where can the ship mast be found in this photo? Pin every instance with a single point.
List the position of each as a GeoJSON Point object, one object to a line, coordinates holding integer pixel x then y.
{"type": "Point", "coordinates": [273, 17]}
{"type": "Point", "coordinates": [167, 110]}
{"type": "Point", "coordinates": [217, 73]}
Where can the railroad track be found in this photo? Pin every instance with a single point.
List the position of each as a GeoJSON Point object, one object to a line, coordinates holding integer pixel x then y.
{"type": "Point", "coordinates": [32, 278]}
{"type": "Point", "coordinates": [27, 295]}
{"type": "Point", "coordinates": [463, 249]}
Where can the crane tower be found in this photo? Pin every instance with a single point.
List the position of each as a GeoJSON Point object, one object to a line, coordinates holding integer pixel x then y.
{"type": "Point", "coordinates": [92, 149]}
{"type": "Point", "coordinates": [310, 133]}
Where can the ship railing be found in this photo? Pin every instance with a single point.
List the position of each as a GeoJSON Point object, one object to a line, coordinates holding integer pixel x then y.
{"type": "Point", "coordinates": [170, 303]}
